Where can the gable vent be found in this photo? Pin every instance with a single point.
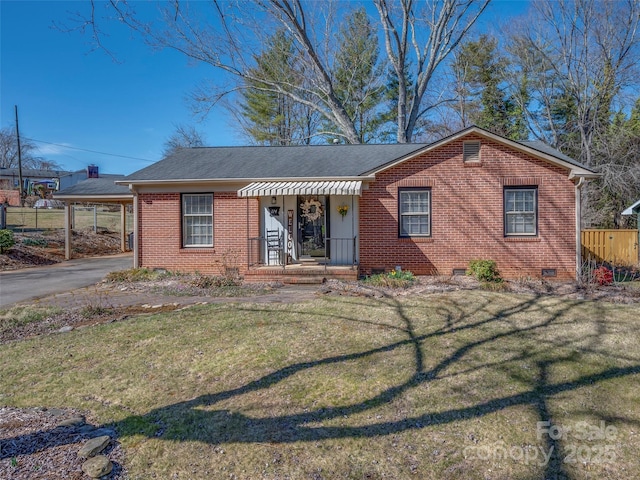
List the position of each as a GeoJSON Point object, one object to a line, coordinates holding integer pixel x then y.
{"type": "Point", "coordinates": [471, 152]}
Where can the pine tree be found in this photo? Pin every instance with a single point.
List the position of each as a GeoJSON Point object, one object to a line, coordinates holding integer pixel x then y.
{"type": "Point", "coordinates": [481, 73]}
{"type": "Point", "coordinates": [358, 75]}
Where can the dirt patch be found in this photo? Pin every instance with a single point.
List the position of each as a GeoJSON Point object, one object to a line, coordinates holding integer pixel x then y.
{"type": "Point", "coordinates": [46, 247]}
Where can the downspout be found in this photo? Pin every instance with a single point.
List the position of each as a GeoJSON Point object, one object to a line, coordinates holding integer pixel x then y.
{"type": "Point", "coordinates": [248, 235]}
{"type": "Point", "coordinates": [579, 227]}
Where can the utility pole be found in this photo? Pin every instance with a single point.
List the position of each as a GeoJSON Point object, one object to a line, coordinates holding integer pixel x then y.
{"type": "Point", "coordinates": [21, 187]}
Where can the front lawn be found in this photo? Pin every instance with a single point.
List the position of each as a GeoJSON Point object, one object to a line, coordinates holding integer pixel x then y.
{"type": "Point", "coordinates": [436, 386]}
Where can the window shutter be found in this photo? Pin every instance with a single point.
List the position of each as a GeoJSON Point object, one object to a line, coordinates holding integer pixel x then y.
{"type": "Point", "coordinates": [471, 152]}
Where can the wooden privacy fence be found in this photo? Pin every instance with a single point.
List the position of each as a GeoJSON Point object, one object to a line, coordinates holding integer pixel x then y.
{"type": "Point", "coordinates": [618, 247]}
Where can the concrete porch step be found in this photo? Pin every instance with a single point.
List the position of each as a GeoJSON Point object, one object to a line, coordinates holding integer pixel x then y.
{"type": "Point", "coordinates": [310, 276]}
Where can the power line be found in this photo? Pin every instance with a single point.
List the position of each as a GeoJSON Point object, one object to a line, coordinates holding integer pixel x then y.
{"type": "Point", "coordinates": [91, 151]}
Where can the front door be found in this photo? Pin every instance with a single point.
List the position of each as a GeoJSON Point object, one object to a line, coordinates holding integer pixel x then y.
{"type": "Point", "coordinates": [312, 225]}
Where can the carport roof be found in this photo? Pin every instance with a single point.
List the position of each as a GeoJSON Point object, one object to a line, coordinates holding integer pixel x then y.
{"type": "Point", "coordinates": [93, 189]}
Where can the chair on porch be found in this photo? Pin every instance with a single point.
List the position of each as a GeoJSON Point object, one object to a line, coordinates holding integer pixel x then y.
{"type": "Point", "coordinates": [274, 244]}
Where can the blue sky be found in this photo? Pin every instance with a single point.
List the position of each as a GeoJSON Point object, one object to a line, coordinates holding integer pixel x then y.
{"type": "Point", "coordinates": [69, 96]}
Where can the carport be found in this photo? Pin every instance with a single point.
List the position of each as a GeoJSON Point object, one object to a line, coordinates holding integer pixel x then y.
{"type": "Point", "coordinates": [95, 190]}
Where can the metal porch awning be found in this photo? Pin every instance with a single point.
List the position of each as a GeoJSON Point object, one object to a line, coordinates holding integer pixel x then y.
{"type": "Point", "coordinates": [268, 189]}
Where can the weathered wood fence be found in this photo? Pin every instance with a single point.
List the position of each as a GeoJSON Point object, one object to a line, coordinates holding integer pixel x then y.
{"type": "Point", "coordinates": [618, 247]}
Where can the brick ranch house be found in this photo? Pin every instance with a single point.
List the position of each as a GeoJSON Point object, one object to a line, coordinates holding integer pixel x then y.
{"type": "Point", "coordinates": [350, 210]}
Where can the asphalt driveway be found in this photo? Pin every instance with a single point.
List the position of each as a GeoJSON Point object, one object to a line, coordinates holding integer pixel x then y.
{"type": "Point", "coordinates": [32, 283]}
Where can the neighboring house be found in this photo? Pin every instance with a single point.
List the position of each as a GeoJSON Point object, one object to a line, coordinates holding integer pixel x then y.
{"type": "Point", "coordinates": [635, 210]}
{"type": "Point", "coordinates": [276, 211]}
{"type": "Point", "coordinates": [34, 182]}
{"type": "Point", "coordinates": [45, 182]}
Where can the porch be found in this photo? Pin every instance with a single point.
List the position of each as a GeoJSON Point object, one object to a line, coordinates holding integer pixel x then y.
{"type": "Point", "coordinates": [270, 260]}
{"type": "Point", "coordinates": [308, 231]}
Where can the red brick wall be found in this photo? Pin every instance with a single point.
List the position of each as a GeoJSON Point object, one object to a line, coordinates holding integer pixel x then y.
{"type": "Point", "coordinates": [11, 196]}
{"type": "Point", "coordinates": [160, 234]}
{"type": "Point", "coordinates": [467, 214]}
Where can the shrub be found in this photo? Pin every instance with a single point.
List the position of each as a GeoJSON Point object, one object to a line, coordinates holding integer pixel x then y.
{"type": "Point", "coordinates": [603, 275]}
{"type": "Point", "coordinates": [484, 271]}
{"type": "Point", "coordinates": [392, 279]}
{"type": "Point", "coordinates": [6, 240]}
{"type": "Point", "coordinates": [35, 242]}
{"type": "Point", "coordinates": [133, 275]}
{"type": "Point", "coordinates": [215, 281]}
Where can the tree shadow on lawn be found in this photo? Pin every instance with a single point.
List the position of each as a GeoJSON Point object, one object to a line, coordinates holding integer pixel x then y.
{"type": "Point", "coordinates": [196, 420]}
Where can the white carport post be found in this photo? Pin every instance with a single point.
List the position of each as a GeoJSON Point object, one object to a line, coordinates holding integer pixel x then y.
{"type": "Point", "coordinates": [67, 231]}
{"type": "Point", "coordinates": [136, 258]}
{"type": "Point", "coordinates": [123, 227]}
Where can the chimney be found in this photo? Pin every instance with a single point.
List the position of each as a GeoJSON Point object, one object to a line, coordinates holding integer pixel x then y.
{"type": "Point", "coordinates": [92, 171]}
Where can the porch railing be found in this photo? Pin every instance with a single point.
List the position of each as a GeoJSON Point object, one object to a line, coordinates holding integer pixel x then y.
{"type": "Point", "coordinates": [340, 251]}
{"type": "Point", "coordinates": [337, 252]}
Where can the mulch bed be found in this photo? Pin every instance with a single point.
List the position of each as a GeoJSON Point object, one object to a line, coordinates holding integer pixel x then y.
{"type": "Point", "coordinates": [33, 249]}
{"type": "Point", "coordinates": [33, 445]}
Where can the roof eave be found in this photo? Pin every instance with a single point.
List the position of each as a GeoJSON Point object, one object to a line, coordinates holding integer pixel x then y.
{"type": "Point", "coordinates": [94, 198]}
{"type": "Point", "coordinates": [635, 208]}
{"type": "Point", "coordinates": [227, 181]}
{"type": "Point", "coordinates": [586, 174]}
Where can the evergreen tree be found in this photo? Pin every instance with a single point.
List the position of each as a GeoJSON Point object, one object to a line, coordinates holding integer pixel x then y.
{"type": "Point", "coordinates": [358, 84]}
{"type": "Point", "coordinates": [480, 72]}
{"type": "Point", "coordinates": [269, 117]}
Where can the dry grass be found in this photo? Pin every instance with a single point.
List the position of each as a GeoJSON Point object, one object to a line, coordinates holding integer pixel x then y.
{"type": "Point", "coordinates": [342, 387]}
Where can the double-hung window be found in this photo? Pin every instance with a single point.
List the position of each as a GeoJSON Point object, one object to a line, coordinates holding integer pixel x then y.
{"type": "Point", "coordinates": [521, 211]}
{"type": "Point", "coordinates": [415, 212]}
{"type": "Point", "coordinates": [197, 220]}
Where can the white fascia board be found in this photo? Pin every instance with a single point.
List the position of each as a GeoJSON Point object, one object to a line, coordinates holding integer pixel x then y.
{"type": "Point", "coordinates": [223, 181]}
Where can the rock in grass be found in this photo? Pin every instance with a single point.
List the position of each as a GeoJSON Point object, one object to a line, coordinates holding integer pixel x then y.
{"type": "Point", "coordinates": [97, 466]}
{"type": "Point", "coordinates": [72, 422]}
{"type": "Point", "coordinates": [93, 446]}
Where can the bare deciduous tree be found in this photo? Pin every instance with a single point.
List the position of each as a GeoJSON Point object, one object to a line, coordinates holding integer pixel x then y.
{"type": "Point", "coordinates": [576, 57]}
{"type": "Point", "coordinates": [418, 36]}
{"type": "Point", "coordinates": [9, 152]}
{"type": "Point", "coordinates": [185, 136]}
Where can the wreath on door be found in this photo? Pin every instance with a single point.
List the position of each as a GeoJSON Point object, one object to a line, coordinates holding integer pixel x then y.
{"type": "Point", "coordinates": [311, 209]}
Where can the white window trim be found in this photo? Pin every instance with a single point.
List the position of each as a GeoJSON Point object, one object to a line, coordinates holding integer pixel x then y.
{"type": "Point", "coordinates": [518, 212]}
{"type": "Point", "coordinates": [186, 215]}
{"type": "Point", "coordinates": [424, 214]}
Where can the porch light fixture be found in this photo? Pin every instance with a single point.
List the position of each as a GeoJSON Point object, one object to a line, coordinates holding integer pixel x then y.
{"type": "Point", "coordinates": [274, 200]}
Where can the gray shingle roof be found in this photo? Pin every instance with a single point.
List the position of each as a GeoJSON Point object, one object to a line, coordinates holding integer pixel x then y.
{"type": "Point", "coordinates": [309, 161]}
{"type": "Point", "coordinates": [96, 186]}
{"type": "Point", "coordinates": [544, 148]}
{"type": "Point", "coordinates": [292, 162]}
{"type": "Point", "coordinates": [29, 172]}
